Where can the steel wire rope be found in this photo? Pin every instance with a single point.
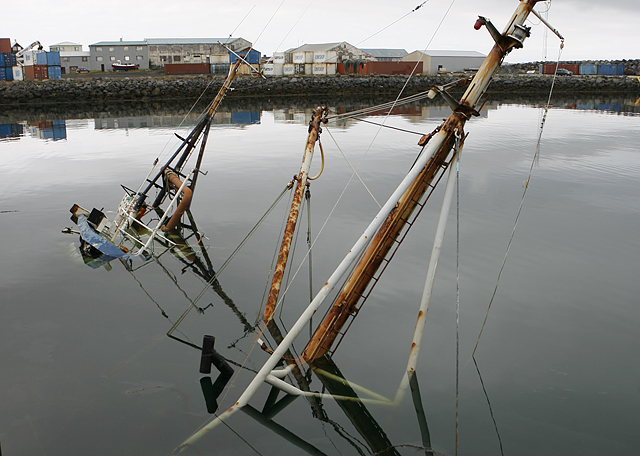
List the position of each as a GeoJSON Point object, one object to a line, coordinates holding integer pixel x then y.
{"type": "Point", "coordinates": [393, 23]}
{"type": "Point", "coordinates": [228, 260]}
{"type": "Point", "coordinates": [355, 172]}
{"type": "Point", "coordinates": [458, 153]}
{"type": "Point", "coordinates": [294, 25]}
{"type": "Point", "coordinates": [524, 194]}
{"type": "Point", "coordinates": [401, 91]}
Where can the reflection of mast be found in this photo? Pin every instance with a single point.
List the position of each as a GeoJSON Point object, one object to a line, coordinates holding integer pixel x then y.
{"type": "Point", "coordinates": [356, 411]}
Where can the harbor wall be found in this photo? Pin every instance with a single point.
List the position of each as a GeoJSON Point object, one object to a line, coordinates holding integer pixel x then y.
{"type": "Point", "coordinates": [70, 90]}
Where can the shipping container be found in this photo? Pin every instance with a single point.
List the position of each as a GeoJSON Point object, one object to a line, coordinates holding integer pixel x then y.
{"type": "Point", "coordinates": [278, 58]}
{"type": "Point", "coordinates": [29, 72]}
{"type": "Point", "coordinates": [55, 72]}
{"type": "Point", "coordinates": [18, 74]}
{"type": "Point", "coordinates": [268, 69]}
{"type": "Point", "coordinates": [278, 69]}
{"type": "Point", "coordinates": [219, 68]}
{"type": "Point", "coordinates": [319, 68]}
{"type": "Point", "coordinates": [7, 59]}
{"type": "Point", "coordinates": [611, 70]}
{"type": "Point", "coordinates": [53, 58]}
{"type": "Point", "coordinates": [5, 43]}
{"type": "Point", "coordinates": [550, 68]}
{"type": "Point", "coordinates": [41, 72]}
{"type": "Point", "coordinates": [3, 74]}
{"type": "Point", "coordinates": [253, 57]}
{"type": "Point", "coordinates": [8, 71]}
{"type": "Point", "coordinates": [41, 58]}
{"type": "Point", "coordinates": [29, 58]}
{"type": "Point", "coordinates": [588, 69]}
{"type": "Point", "coordinates": [186, 68]}
{"type": "Point", "coordinates": [299, 58]}
{"type": "Point", "coordinates": [308, 68]}
{"type": "Point", "coordinates": [331, 68]}
{"type": "Point", "coordinates": [288, 69]}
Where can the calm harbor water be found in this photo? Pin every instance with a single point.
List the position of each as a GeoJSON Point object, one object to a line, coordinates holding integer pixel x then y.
{"type": "Point", "coordinates": [87, 367]}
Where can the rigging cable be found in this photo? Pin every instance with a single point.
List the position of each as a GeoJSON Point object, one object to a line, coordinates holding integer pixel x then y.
{"type": "Point", "coordinates": [393, 23]}
{"type": "Point", "coordinates": [524, 194]}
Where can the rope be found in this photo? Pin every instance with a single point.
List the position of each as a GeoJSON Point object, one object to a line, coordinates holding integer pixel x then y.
{"type": "Point", "coordinates": [393, 23]}
{"type": "Point", "coordinates": [322, 167]}
{"type": "Point", "coordinates": [458, 153]}
{"type": "Point", "coordinates": [224, 265]}
{"type": "Point", "coordinates": [308, 197]}
{"type": "Point", "coordinates": [355, 172]}
{"type": "Point", "coordinates": [524, 194]}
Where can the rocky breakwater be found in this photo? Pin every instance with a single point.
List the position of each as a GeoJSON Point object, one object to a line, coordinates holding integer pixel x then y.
{"type": "Point", "coordinates": [108, 90]}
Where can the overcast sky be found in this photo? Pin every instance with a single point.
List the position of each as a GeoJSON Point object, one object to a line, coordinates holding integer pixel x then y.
{"type": "Point", "coordinates": [593, 29]}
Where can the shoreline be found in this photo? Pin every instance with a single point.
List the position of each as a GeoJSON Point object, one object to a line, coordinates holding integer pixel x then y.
{"type": "Point", "coordinates": [144, 88]}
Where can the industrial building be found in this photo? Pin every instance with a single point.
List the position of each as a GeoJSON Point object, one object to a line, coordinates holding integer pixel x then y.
{"type": "Point", "coordinates": [446, 61]}
{"type": "Point", "coordinates": [385, 55]}
{"type": "Point", "coordinates": [72, 56]}
{"type": "Point", "coordinates": [105, 53]}
{"type": "Point", "coordinates": [192, 50]}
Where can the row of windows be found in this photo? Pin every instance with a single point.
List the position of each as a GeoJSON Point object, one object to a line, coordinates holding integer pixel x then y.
{"type": "Point", "coordinates": [125, 48]}
{"type": "Point", "coordinates": [113, 58]}
{"type": "Point", "coordinates": [66, 59]}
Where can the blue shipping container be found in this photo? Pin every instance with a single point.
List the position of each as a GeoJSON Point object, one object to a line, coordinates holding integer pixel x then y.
{"type": "Point", "coordinates": [53, 58]}
{"type": "Point", "coordinates": [41, 58]}
{"type": "Point", "coordinates": [611, 70]}
{"type": "Point", "coordinates": [55, 72]}
{"type": "Point", "coordinates": [8, 71]}
{"type": "Point", "coordinates": [7, 59]}
{"type": "Point", "coordinates": [3, 73]}
{"type": "Point", "coordinates": [588, 69]}
{"type": "Point", "coordinates": [254, 56]}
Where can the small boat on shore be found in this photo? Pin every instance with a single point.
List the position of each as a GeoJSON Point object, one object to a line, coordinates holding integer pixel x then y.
{"type": "Point", "coordinates": [119, 66]}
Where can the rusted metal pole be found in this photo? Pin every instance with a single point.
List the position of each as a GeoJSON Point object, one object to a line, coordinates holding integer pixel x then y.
{"type": "Point", "coordinates": [184, 202]}
{"type": "Point", "coordinates": [301, 183]}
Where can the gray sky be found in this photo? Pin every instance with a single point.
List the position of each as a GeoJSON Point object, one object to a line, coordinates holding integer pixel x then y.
{"type": "Point", "coordinates": [593, 29]}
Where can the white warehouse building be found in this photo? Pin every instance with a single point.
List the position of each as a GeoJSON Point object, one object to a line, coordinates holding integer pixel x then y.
{"type": "Point", "coordinates": [450, 61]}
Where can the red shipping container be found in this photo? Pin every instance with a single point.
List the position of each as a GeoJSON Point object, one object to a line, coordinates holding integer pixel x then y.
{"type": "Point", "coordinates": [186, 68]}
{"type": "Point", "coordinates": [5, 45]}
{"type": "Point", "coordinates": [550, 68]}
{"type": "Point", "coordinates": [41, 72]}
{"type": "Point", "coordinates": [29, 72]}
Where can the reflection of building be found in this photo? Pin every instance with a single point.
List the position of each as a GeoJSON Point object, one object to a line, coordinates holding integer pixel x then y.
{"type": "Point", "coordinates": [438, 61]}
{"type": "Point", "coordinates": [72, 56]}
{"type": "Point", "coordinates": [47, 129]}
{"type": "Point", "coordinates": [11, 130]}
{"type": "Point", "coordinates": [176, 120]}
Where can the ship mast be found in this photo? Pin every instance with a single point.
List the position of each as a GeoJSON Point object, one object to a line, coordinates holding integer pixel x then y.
{"type": "Point", "coordinates": [385, 227]}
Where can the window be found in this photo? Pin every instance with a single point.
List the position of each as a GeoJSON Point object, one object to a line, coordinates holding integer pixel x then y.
{"type": "Point", "coordinates": [98, 49]}
{"type": "Point", "coordinates": [111, 49]}
{"type": "Point", "coordinates": [112, 58]}
{"type": "Point", "coordinates": [76, 48]}
{"type": "Point", "coordinates": [65, 59]}
{"type": "Point", "coordinates": [138, 48]}
{"type": "Point", "coordinates": [99, 58]}
{"type": "Point", "coordinates": [139, 57]}
{"type": "Point", "coordinates": [176, 58]}
{"type": "Point", "coordinates": [85, 59]}
{"type": "Point", "coordinates": [126, 48]}
{"type": "Point", "coordinates": [126, 58]}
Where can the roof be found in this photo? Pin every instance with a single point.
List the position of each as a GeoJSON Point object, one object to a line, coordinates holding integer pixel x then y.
{"type": "Point", "coordinates": [66, 43]}
{"type": "Point", "coordinates": [386, 53]}
{"type": "Point", "coordinates": [318, 47]}
{"type": "Point", "coordinates": [119, 43]}
{"type": "Point", "coordinates": [169, 41]}
{"type": "Point", "coordinates": [449, 53]}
